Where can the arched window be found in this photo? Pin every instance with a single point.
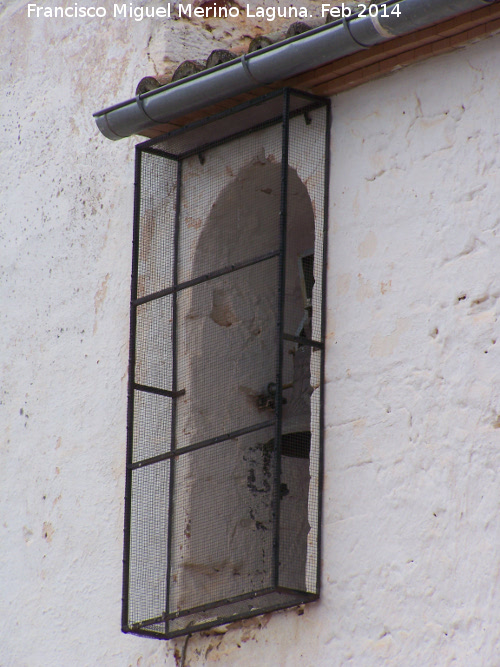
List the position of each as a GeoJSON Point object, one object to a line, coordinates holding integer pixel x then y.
{"type": "Point", "coordinates": [225, 411]}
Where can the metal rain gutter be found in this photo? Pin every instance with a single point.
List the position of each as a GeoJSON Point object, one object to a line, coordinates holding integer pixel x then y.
{"type": "Point", "coordinates": [276, 62]}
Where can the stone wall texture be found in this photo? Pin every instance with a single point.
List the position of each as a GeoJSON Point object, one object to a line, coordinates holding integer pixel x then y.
{"type": "Point", "coordinates": [411, 527]}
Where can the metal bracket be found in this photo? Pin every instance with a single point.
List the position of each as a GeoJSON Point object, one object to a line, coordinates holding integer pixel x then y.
{"type": "Point", "coordinates": [244, 62]}
{"type": "Point", "coordinates": [346, 26]}
{"type": "Point", "coordinates": [140, 105]}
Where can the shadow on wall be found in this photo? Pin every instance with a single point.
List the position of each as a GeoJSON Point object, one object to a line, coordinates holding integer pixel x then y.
{"type": "Point", "coordinates": [223, 529]}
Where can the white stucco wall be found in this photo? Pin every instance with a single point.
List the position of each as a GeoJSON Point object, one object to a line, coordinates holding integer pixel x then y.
{"type": "Point", "coordinates": [412, 497]}
{"type": "Point", "coordinates": [411, 528]}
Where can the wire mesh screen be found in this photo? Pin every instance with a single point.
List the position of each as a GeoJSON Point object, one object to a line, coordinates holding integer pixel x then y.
{"type": "Point", "coordinates": [224, 463]}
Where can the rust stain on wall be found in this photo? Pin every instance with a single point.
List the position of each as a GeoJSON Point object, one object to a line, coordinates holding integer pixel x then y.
{"type": "Point", "coordinates": [99, 298]}
{"type": "Point", "coordinates": [48, 531]}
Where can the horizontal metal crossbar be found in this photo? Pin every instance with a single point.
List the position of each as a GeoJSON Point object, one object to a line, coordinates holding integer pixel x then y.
{"type": "Point", "coordinates": [221, 115]}
{"type": "Point", "coordinates": [284, 603]}
{"type": "Point", "coordinates": [205, 277]}
{"type": "Point", "coordinates": [246, 131]}
{"type": "Point", "coordinates": [146, 633]}
{"type": "Point", "coordinates": [160, 392]}
{"type": "Point", "coordinates": [306, 597]}
{"type": "Point", "coordinates": [145, 624]}
{"type": "Point", "coordinates": [303, 341]}
{"type": "Point", "coordinates": [237, 598]}
{"type": "Point", "coordinates": [159, 153]}
{"type": "Point", "coordinates": [200, 445]}
{"type": "Point", "coordinates": [204, 607]}
{"type": "Point", "coordinates": [316, 102]}
{"type": "Point", "coordinates": [218, 603]}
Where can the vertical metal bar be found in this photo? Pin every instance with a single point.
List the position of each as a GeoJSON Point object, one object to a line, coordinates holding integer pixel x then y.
{"type": "Point", "coordinates": [326, 193]}
{"type": "Point", "coordinates": [131, 379]}
{"type": "Point", "coordinates": [173, 445]}
{"type": "Point", "coordinates": [285, 130]}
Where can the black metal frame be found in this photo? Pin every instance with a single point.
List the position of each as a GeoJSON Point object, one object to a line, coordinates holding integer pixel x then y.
{"type": "Point", "coordinates": [154, 147]}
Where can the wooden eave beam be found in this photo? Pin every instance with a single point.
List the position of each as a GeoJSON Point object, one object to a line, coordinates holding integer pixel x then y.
{"type": "Point", "coordinates": [363, 66]}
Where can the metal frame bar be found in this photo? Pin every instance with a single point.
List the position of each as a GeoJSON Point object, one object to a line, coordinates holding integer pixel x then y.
{"type": "Point", "coordinates": [279, 336]}
{"type": "Point", "coordinates": [160, 392]}
{"type": "Point", "coordinates": [200, 445]}
{"type": "Point", "coordinates": [221, 115]}
{"type": "Point", "coordinates": [208, 607]}
{"type": "Point", "coordinates": [222, 602]}
{"type": "Point", "coordinates": [173, 445]}
{"type": "Point", "coordinates": [321, 463]}
{"type": "Point", "coordinates": [159, 153]}
{"type": "Point", "coordinates": [242, 133]}
{"type": "Point", "coordinates": [204, 121]}
{"type": "Point", "coordinates": [303, 341]}
{"type": "Point", "coordinates": [286, 604]}
{"type": "Point", "coordinates": [131, 382]}
{"type": "Point", "coordinates": [204, 278]}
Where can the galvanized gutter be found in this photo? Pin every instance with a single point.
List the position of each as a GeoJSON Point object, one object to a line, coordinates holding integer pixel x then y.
{"type": "Point", "coordinates": [285, 59]}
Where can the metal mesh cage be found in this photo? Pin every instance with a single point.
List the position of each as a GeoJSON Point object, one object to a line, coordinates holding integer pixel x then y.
{"type": "Point", "coordinates": [224, 454]}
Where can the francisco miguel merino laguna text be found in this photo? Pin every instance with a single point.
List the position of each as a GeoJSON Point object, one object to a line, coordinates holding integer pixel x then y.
{"type": "Point", "coordinates": [138, 13]}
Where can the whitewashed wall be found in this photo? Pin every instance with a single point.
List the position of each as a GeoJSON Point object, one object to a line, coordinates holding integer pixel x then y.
{"type": "Point", "coordinates": [411, 572]}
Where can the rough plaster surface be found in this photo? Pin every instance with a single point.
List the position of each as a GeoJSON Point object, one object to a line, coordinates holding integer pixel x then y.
{"type": "Point", "coordinates": [411, 527]}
